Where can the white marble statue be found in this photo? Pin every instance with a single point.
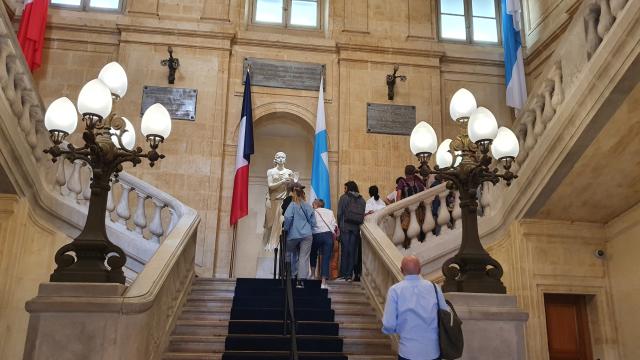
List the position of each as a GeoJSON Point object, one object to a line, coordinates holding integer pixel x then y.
{"type": "Point", "coordinates": [278, 179]}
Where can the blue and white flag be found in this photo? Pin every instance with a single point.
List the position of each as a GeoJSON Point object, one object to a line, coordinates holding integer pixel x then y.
{"type": "Point", "coordinates": [513, 62]}
{"type": "Point", "coordinates": [320, 188]}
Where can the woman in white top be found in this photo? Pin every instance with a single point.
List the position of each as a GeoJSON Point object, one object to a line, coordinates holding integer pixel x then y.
{"type": "Point", "coordinates": [374, 203]}
{"type": "Point", "coordinates": [322, 239]}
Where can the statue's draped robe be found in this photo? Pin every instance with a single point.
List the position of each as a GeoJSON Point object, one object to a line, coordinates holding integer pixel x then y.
{"type": "Point", "coordinates": [273, 216]}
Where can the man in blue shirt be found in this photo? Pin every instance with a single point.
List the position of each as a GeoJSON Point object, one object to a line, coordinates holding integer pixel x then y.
{"type": "Point", "coordinates": [411, 312]}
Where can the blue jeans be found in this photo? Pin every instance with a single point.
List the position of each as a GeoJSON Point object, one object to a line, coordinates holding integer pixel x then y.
{"type": "Point", "coordinates": [349, 240]}
{"type": "Point", "coordinates": [324, 243]}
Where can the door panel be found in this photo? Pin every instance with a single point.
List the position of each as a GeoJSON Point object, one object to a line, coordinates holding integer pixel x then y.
{"type": "Point", "coordinates": [567, 327]}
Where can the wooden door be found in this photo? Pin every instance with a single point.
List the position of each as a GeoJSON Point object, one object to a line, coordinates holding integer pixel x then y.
{"type": "Point", "coordinates": [567, 327]}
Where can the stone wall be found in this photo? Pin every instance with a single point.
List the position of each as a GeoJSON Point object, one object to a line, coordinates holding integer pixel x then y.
{"type": "Point", "coordinates": [543, 256]}
{"type": "Point", "coordinates": [359, 43]}
{"type": "Point", "coordinates": [623, 247]}
{"type": "Point", "coordinates": [27, 247]}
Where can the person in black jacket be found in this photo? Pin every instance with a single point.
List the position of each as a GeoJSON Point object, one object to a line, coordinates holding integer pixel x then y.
{"type": "Point", "coordinates": [351, 208]}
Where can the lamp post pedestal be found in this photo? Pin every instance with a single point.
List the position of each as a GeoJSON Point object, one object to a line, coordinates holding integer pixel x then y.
{"type": "Point", "coordinates": [472, 269]}
{"type": "Point", "coordinates": [96, 260]}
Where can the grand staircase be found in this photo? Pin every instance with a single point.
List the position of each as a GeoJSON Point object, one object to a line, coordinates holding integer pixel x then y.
{"type": "Point", "coordinates": [235, 320]}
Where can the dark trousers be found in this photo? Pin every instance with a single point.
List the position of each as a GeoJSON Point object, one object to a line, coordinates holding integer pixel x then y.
{"type": "Point", "coordinates": [323, 243]}
{"type": "Point", "coordinates": [357, 268]}
{"type": "Point", "coordinates": [349, 240]}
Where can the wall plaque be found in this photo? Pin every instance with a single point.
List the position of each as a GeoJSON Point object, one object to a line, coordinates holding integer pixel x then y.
{"type": "Point", "coordinates": [391, 119]}
{"type": "Point", "coordinates": [284, 74]}
{"type": "Point", "coordinates": [181, 103]}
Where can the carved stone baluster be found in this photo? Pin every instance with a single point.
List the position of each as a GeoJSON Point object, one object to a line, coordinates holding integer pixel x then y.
{"type": "Point", "coordinates": [617, 6]}
{"type": "Point", "coordinates": [456, 214]}
{"type": "Point", "coordinates": [140, 217]}
{"type": "Point", "coordinates": [173, 221]}
{"type": "Point", "coordinates": [547, 92]}
{"type": "Point", "coordinates": [606, 18]}
{"type": "Point", "coordinates": [61, 179]}
{"type": "Point", "coordinates": [558, 92]}
{"type": "Point", "coordinates": [9, 88]}
{"type": "Point", "coordinates": [443, 211]}
{"type": "Point", "coordinates": [19, 86]}
{"type": "Point", "coordinates": [86, 193]}
{"type": "Point", "coordinates": [429, 222]}
{"type": "Point", "coordinates": [485, 199]}
{"type": "Point", "coordinates": [528, 119]}
{"type": "Point", "coordinates": [591, 29]}
{"type": "Point", "coordinates": [73, 184]}
{"type": "Point", "coordinates": [25, 119]}
{"type": "Point", "coordinates": [521, 133]}
{"type": "Point", "coordinates": [398, 233]}
{"type": "Point", "coordinates": [155, 228]}
{"type": "Point", "coordinates": [538, 106]}
{"type": "Point", "coordinates": [122, 210]}
{"type": "Point", "coordinates": [110, 204]}
{"type": "Point", "coordinates": [414, 228]}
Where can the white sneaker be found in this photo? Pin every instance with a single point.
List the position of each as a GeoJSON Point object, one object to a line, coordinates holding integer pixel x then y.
{"type": "Point", "coordinates": [324, 286]}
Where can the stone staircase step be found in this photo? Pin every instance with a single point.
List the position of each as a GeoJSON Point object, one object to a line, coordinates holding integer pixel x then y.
{"type": "Point", "coordinates": [196, 344]}
{"type": "Point", "coordinates": [367, 346]}
{"type": "Point", "coordinates": [201, 327]}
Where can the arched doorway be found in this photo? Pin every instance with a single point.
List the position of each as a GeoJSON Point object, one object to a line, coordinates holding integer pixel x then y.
{"type": "Point", "coordinates": [273, 132]}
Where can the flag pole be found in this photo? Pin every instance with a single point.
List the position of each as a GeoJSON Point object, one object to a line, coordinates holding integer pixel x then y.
{"type": "Point", "coordinates": [233, 251]}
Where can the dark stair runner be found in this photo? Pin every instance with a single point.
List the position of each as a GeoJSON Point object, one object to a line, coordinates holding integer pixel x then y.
{"type": "Point", "coordinates": [256, 324]}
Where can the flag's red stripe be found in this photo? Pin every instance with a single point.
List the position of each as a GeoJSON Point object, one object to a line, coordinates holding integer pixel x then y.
{"type": "Point", "coordinates": [240, 200]}
{"type": "Point", "coordinates": [31, 32]}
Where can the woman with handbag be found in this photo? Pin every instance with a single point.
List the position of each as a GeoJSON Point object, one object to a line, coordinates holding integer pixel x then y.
{"type": "Point", "coordinates": [324, 234]}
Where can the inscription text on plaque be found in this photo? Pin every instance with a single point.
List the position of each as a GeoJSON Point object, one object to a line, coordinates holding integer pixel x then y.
{"type": "Point", "coordinates": [181, 103]}
{"type": "Point", "coordinates": [391, 119]}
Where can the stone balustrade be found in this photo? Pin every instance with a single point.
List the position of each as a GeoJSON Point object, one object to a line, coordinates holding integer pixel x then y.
{"type": "Point", "coordinates": [567, 63]}
{"type": "Point", "coordinates": [139, 216]}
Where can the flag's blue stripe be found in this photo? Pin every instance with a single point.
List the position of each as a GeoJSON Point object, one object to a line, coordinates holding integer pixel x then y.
{"type": "Point", "coordinates": [319, 171]}
{"type": "Point", "coordinates": [246, 111]}
{"type": "Point", "coordinates": [511, 41]}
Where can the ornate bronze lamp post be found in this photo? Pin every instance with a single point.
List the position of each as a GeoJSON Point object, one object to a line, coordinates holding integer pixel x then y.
{"type": "Point", "coordinates": [109, 142]}
{"type": "Point", "coordinates": [464, 164]}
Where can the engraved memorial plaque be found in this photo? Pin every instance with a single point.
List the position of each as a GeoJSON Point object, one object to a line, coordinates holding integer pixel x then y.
{"type": "Point", "coordinates": [391, 119]}
{"type": "Point", "coordinates": [284, 74]}
{"type": "Point", "coordinates": [181, 103]}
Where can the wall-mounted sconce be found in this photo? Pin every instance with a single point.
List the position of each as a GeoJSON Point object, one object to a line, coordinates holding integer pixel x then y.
{"type": "Point", "coordinates": [172, 63]}
{"type": "Point", "coordinates": [391, 81]}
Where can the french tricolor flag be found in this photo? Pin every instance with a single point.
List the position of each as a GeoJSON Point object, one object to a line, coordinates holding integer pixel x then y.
{"type": "Point", "coordinates": [240, 201]}
{"type": "Point", "coordinates": [513, 62]}
{"type": "Point", "coordinates": [31, 32]}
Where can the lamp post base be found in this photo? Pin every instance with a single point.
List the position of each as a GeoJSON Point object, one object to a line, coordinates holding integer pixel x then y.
{"type": "Point", "coordinates": [478, 273]}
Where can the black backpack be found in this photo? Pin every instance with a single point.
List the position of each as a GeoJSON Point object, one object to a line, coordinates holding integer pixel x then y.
{"type": "Point", "coordinates": [354, 214]}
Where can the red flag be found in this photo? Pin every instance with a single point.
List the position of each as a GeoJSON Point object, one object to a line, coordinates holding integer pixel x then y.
{"type": "Point", "coordinates": [31, 33]}
{"type": "Point", "coordinates": [240, 200]}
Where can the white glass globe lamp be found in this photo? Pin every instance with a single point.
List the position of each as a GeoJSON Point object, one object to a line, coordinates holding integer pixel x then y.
{"type": "Point", "coordinates": [114, 76]}
{"type": "Point", "coordinates": [444, 159]}
{"type": "Point", "coordinates": [463, 103]}
{"type": "Point", "coordinates": [482, 125]}
{"type": "Point", "coordinates": [95, 98]}
{"type": "Point", "coordinates": [423, 139]}
{"type": "Point", "coordinates": [156, 121]}
{"type": "Point", "coordinates": [128, 137]}
{"type": "Point", "coordinates": [62, 116]}
{"type": "Point", "coordinates": [505, 144]}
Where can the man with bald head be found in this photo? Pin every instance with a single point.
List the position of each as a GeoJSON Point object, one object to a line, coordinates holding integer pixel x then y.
{"type": "Point", "coordinates": [411, 311]}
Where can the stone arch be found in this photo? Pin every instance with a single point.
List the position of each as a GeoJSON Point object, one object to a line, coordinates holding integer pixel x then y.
{"type": "Point", "coordinates": [260, 111]}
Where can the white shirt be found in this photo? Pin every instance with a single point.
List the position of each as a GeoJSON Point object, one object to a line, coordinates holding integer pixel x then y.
{"type": "Point", "coordinates": [324, 216]}
{"type": "Point", "coordinates": [411, 312]}
{"type": "Point", "coordinates": [373, 205]}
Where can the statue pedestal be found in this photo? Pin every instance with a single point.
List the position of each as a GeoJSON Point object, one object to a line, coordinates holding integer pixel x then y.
{"type": "Point", "coordinates": [492, 324]}
{"type": "Point", "coordinates": [264, 268]}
